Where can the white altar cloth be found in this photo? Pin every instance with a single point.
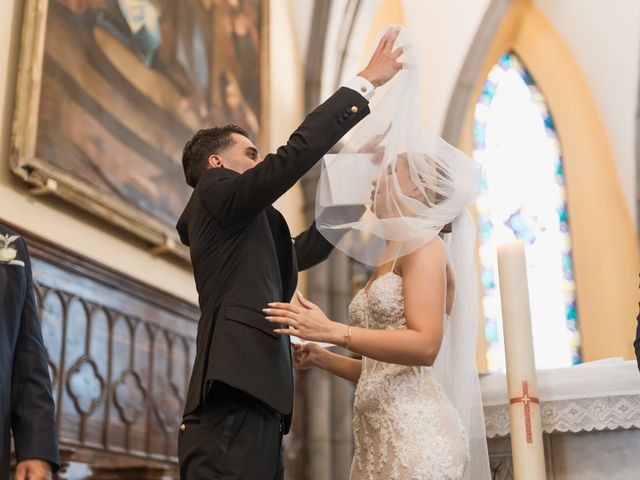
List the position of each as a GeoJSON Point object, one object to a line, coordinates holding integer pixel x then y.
{"type": "Point", "coordinates": [602, 395]}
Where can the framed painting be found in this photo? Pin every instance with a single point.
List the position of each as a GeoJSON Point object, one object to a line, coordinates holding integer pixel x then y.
{"type": "Point", "coordinates": [109, 91]}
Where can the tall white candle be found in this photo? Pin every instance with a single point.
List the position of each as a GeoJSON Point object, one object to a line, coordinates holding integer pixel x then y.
{"type": "Point", "coordinates": [524, 409]}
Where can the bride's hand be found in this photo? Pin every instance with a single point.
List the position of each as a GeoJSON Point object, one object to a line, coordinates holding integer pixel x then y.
{"type": "Point", "coordinates": [307, 322]}
{"type": "Point", "coordinates": [307, 355]}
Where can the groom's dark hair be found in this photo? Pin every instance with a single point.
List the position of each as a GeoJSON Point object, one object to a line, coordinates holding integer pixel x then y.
{"type": "Point", "coordinates": [206, 142]}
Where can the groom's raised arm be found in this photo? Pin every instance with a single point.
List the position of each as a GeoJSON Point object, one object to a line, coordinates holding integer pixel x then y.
{"type": "Point", "coordinates": [234, 198]}
{"type": "Point", "coordinates": [231, 198]}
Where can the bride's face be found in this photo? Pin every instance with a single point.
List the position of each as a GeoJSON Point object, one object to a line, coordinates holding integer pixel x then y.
{"type": "Point", "coordinates": [390, 199]}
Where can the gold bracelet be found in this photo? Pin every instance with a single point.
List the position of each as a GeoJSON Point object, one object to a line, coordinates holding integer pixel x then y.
{"type": "Point", "coordinates": [347, 338]}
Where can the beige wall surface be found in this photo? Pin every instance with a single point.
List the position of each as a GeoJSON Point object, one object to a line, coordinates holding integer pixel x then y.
{"type": "Point", "coordinates": [444, 32]}
{"type": "Point", "coordinates": [604, 38]}
{"type": "Point", "coordinates": [90, 236]}
{"type": "Point", "coordinates": [287, 99]}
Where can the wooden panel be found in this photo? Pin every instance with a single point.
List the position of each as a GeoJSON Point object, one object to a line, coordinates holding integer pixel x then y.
{"type": "Point", "coordinates": [120, 355]}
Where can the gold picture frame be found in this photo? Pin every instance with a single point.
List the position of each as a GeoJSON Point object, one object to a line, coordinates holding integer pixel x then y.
{"type": "Point", "coordinates": [108, 93]}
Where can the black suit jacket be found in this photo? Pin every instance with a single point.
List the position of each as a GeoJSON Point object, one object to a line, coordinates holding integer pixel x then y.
{"type": "Point", "coordinates": [636, 343]}
{"type": "Point", "coordinates": [26, 403]}
{"type": "Point", "coordinates": [243, 257]}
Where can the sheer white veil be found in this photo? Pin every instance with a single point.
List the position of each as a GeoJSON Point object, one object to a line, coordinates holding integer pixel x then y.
{"type": "Point", "coordinates": [414, 186]}
{"type": "Point", "coordinates": [455, 364]}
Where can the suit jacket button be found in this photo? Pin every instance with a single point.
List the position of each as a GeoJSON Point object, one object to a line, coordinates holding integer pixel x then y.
{"type": "Point", "coordinates": [183, 427]}
{"type": "Point", "coordinates": [354, 109]}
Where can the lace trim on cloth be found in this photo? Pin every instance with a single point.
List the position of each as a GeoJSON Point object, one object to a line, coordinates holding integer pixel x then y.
{"type": "Point", "coordinates": [611, 412]}
{"type": "Point", "coordinates": [599, 395]}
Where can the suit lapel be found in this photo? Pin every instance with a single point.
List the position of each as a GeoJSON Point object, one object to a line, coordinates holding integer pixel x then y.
{"type": "Point", "coordinates": [284, 249]}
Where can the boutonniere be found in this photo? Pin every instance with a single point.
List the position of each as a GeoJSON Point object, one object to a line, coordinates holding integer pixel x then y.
{"type": "Point", "coordinates": [7, 252]}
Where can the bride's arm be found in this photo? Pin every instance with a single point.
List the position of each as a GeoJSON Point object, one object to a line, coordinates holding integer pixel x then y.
{"type": "Point", "coordinates": [312, 355]}
{"type": "Point", "coordinates": [424, 291]}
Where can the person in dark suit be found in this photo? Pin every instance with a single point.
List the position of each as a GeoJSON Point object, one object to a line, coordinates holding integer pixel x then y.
{"type": "Point", "coordinates": [636, 343]}
{"type": "Point", "coordinates": [240, 396]}
{"type": "Point", "coordinates": [26, 403]}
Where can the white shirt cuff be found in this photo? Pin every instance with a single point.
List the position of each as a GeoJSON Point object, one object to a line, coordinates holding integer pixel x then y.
{"type": "Point", "coordinates": [361, 85]}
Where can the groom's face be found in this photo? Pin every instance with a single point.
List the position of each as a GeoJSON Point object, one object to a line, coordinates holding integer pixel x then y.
{"type": "Point", "coordinates": [241, 156]}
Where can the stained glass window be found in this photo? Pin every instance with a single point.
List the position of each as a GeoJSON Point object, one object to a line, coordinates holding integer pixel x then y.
{"type": "Point", "coordinates": [523, 197]}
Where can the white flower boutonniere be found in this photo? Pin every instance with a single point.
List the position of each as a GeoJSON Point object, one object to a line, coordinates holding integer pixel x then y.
{"type": "Point", "coordinates": [7, 252]}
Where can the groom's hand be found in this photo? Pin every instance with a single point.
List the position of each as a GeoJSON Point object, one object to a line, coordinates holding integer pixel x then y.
{"type": "Point", "coordinates": [384, 62]}
{"type": "Point", "coordinates": [373, 146]}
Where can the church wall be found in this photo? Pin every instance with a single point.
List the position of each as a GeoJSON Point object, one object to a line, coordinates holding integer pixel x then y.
{"type": "Point", "coordinates": [605, 40]}
{"type": "Point", "coordinates": [97, 239]}
{"type": "Point", "coordinates": [443, 35]}
{"type": "Point", "coordinates": [287, 98]}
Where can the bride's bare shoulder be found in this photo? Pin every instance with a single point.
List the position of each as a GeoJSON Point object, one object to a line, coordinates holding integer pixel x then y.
{"type": "Point", "coordinates": [432, 254]}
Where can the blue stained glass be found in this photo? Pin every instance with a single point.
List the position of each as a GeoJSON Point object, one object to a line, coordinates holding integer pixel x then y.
{"type": "Point", "coordinates": [516, 222]}
{"type": "Point", "coordinates": [528, 79]}
{"type": "Point", "coordinates": [514, 134]}
{"type": "Point", "coordinates": [548, 122]}
{"type": "Point", "coordinates": [505, 62]}
{"type": "Point", "coordinates": [488, 95]}
{"type": "Point", "coordinates": [489, 88]}
{"type": "Point", "coordinates": [485, 230]}
{"type": "Point", "coordinates": [521, 228]}
{"type": "Point", "coordinates": [491, 331]}
{"type": "Point", "coordinates": [487, 278]}
{"type": "Point", "coordinates": [478, 135]}
{"type": "Point", "coordinates": [562, 213]}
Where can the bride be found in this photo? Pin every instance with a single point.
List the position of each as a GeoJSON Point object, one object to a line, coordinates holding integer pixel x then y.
{"type": "Point", "coordinates": [417, 412]}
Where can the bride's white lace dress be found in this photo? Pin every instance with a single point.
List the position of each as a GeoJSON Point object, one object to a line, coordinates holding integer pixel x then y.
{"type": "Point", "coordinates": [405, 426]}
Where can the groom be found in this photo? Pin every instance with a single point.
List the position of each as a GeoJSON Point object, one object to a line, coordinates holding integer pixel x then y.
{"type": "Point", "coordinates": [240, 397]}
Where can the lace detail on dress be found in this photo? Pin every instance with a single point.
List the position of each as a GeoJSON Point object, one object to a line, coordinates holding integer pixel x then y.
{"type": "Point", "coordinates": [405, 427]}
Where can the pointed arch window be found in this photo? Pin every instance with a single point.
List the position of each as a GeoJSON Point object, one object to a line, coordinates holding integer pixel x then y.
{"type": "Point", "coordinates": [523, 196]}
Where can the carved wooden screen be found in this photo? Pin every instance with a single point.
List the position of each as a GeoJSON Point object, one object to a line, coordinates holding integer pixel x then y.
{"type": "Point", "coordinates": [120, 355]}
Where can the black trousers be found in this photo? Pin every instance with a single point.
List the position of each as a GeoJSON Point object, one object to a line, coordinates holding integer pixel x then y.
{"type": "Point", "coordinates": [232, 436]}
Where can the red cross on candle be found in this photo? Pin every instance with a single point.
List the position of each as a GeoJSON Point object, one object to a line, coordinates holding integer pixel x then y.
{"type": "Point", "coordinates": [526, 400]}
